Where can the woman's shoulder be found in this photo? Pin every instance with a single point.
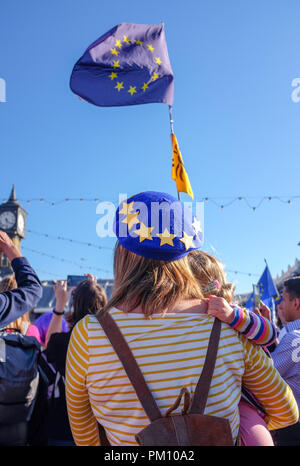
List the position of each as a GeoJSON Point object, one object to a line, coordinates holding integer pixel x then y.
{"type": "Point", "coordinates": [82, 327]}
{"type": "Point", "coordinates": [91, 319]}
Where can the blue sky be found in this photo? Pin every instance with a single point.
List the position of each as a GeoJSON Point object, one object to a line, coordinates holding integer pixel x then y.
{"type": "Point", "coordinates": [234, 118]}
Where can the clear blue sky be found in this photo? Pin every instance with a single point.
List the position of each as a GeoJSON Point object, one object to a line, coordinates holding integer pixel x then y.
{"type": "Point", "coordinates": [235, 121]}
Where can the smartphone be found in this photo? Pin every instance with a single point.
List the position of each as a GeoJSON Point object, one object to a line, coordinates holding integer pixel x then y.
{"type": "Point", "coordinates": [74, 280]}
{"type": "Point", "coordinates": [256, 292]}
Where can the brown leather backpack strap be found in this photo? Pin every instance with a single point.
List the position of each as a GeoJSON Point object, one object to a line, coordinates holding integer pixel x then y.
{"type": "Point", "coordinates": [130, 365]}
{"type": "Point", "coordinates": [203, 385]}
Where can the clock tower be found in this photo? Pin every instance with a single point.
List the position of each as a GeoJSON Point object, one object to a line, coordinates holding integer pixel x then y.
{"type": "Point", "coordinates": [13, 222]}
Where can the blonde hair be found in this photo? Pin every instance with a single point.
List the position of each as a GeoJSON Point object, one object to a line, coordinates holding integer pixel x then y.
{"type": "Point", "coordinates": [206, 268]}
{"type": "Point", "coordinates": [154, 285]}
{"type": "Point", "coordinates": [9, 283]}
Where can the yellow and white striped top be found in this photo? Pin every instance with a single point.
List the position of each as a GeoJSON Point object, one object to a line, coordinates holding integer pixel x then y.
{"type": "Point", "coordinates": [170, 351]}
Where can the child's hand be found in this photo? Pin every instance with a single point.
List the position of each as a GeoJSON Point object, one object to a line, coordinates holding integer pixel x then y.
{"type": "Point", "coordinates": [220, 308]}
{"type": "Point", "coordinates": [265, 311]}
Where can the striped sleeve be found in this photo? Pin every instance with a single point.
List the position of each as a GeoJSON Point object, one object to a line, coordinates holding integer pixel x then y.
{"type": "Point", "coordinates": [82, 421]}
{"type": "Point", "coordinates": [265, 383]}
{"type": "Point", "coordinates": [256, 328]}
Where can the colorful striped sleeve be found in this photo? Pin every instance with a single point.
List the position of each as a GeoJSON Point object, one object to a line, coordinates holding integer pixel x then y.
{"type": "Point", "coordinates": [254, 327]}
{"type": "Point", "coordinates": [265, 383]}
{"type": "Point", "coordinates": [82, 421]}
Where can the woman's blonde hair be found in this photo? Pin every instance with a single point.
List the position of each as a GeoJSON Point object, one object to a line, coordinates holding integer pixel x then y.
{"type": "Point", "coordinates": [154, 285]}
{"type": "Point", "coordinates": [9, 283]}
{"type": "Point", "coordinates": [206, 268]}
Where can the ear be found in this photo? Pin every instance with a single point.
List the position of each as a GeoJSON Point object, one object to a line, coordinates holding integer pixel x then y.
{"type": "Point", "coordinates": [297, 303]}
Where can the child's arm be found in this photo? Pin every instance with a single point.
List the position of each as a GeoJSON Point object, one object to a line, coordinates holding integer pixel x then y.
{"type": "Point", "coordinates": [255, 327]}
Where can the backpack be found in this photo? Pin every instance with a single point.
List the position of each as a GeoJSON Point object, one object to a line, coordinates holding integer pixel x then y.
{"type": "Point", "coordinates": [37, 426]}
{"type": "Point", "coordinates": [19, 376]}
{"type": "Point", "coordinates": [191, 427]}
{"type": "Point", "coordinates": [58, 420]}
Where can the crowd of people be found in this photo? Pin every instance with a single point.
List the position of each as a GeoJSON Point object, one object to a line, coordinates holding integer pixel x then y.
{"type": "Point", "coordinates": [167, 295]}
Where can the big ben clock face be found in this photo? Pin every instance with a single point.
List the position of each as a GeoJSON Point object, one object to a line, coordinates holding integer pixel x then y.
{"type": "Point", "coordinates": [7, 220]}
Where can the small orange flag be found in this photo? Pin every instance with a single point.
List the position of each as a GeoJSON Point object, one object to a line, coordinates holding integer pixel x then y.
{"type": "Point", "coordinates": [179, 173]}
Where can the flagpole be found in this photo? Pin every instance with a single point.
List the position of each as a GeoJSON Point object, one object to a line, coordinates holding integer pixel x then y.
{"type": "Point", "coordinates": [172, 132]}
{"type": "Point", "coordinates": [171, 119]}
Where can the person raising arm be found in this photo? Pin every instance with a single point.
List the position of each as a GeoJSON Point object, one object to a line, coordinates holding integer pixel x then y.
{"type": "Point", "coordinates": [15, 303]}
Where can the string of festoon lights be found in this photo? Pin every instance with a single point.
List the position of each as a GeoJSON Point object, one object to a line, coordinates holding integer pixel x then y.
{"type": "Point", "coordinates": [68, 261]}
{"type": "Point", "coordinates": [69, 240]}
{"type": "Point", "coordinates": [226, 201]}
{"type": "Point", "coordinates": [74, 241]}
{"type": "Point", "coordinates": [285, 200]}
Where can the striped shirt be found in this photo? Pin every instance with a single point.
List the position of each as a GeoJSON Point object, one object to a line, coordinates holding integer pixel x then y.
{"type": "Point", "coordinates": [256, 328]}
{"type": "Point", "coordinates": [170, 351]}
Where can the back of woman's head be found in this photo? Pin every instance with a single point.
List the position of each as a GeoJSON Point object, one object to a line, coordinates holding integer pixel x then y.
{"type": "Point", "coordinates": [155, 233]}
{"type": "Point", "coordinates": [206, 268]}
{"type": "Point", "coordinates": [88, 298]}
{"type": "Point", "coordinates": [154, 285]}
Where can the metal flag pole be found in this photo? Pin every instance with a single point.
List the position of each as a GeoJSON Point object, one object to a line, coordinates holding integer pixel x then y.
{"type": "Point", "coordinates": [172, 132]}
{"type": "Point", "coordinates": [171, 119]}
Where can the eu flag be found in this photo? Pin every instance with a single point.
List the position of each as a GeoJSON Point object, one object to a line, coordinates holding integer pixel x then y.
{"type": "Point", "coordinates": [267, 290]}
{"type": "Point", "coordinates": [129, 65]}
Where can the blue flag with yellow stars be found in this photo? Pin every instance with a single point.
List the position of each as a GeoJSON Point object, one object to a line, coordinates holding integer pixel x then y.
{"type": "Point", "coordinates": [129, 65]}
{"type": "Point", "coordinates": [267, 291]}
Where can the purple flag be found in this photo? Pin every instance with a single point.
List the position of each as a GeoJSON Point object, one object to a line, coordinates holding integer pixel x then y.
{"type": "Point", "coordinates": [129, 65]}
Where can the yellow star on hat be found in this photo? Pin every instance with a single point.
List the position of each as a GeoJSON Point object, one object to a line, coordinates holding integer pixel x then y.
{"type": "Point", "coordinates": [187, 241]}
{"type": "Point", "coordinates": [130, 217]}
{"type": "Point", "coordinates": [166, 237]}
{"type": "Point", "coordinates": [144, 232]}
{"type": "Point", "coordinates": [126, 208]}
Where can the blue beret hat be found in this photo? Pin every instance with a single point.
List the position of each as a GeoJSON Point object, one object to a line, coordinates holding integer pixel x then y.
{"type": "Point", "coordinates": [158, 226]}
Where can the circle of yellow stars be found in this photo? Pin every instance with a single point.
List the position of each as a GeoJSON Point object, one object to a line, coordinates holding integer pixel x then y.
{"type": "Point", "coordinates": [145, 233]}
{"type": "Point", "coordinates": [116, 64]}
